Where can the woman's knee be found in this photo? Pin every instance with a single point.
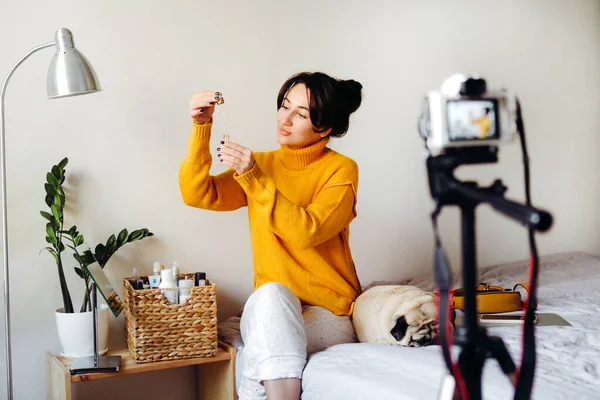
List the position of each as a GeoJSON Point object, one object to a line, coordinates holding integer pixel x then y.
{"type": "Point", "coordinates": [273, 292]}
{"type": "Point", "coordinates": [272, 302]}
{"type": "Point", "coordinates": [272, 289]}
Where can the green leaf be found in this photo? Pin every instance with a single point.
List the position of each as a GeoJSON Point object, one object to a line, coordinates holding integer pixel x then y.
{"type": "Point", "coordinates": [55, 225]}
{"type": "Point", "coordinates": [73, 231]}
{"type": "Point", "coordinates": [79, 272]}
{"type": "Point", "coordinates": [61, 247]}
{"type": "Point", "coordinates": [100, 253]}
{"type": "Point", "coordinates": [122, 238]}
{"type": "Point", "coordinates": [52, 180]}
{"type": "Point", "coordinates": [56, 172]}
{"type": "Point", "coordinates": [88, 257]}
{"type": "Point", "coordinates": [111, 244]}
{"type": "Point", "coordinates": [79, 240]}
{"type": "Point", "coordinates": [51, 251]}
{"type": "Point", "coordinates": [59, 201]}
{"type": "Point", "coordinates": [49, 189]}
{"type": "Point", "coordinates": [63, 163]}
{"type": "Point", "coordinates": [50, 233]}
{"type": "Point", "coordinates": [135, 235]}
{"type": "Point", "coordinates": [48, 240]}
{"type": "Point", "coordinates": [47, 215]}
{"type": "Point", "coordinates": [56, 212]}
{"type": "Point", "coordinates": [146, 233]}
{"type": "Point", "coordinates": [49, 200]}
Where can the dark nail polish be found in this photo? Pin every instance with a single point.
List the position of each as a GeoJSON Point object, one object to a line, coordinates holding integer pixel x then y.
{"type": "Point", "coordinates": [201, 110]}
{"type": "Point", "coordinates": [212, 103]}
{"type": "Point", "coordinates": [217, 93]}
{"type": "Point", "coordinates": [221, 159]}
{"type": "Point", "coordinates": [218, 155]}
{"type": "Point", "coordinates": [218, 149]}
{"type": "Point", "coordinates": [222, 142]}
{"type": "Point", "coordinates": [216, 97]}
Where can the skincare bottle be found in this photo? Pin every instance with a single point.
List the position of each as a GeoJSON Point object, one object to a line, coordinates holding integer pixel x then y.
{"type": "Point", "coordinates": [168, 286]}
{"type": "Point", "coordinates": [185, 286]}
{"type": "Point", "coordinates": [155, 277]}
{"type": "Point", "coordinates": [176, 272]}
{"type": "Point", "coordinates": [200, 278]}
{"type": "Point", "coordinates": [135, 281]}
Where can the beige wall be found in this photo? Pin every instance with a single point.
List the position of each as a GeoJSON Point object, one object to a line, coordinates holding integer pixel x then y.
{"type": "Point", "coordinates": [125, 144]}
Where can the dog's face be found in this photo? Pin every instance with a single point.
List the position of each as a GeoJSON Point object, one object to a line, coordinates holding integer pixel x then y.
{"type": "Point", "coordinates": [423, 333]}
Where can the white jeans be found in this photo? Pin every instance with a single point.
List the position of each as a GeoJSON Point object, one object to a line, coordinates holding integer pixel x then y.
{"type": "Point", "coordinates": [278, 335]}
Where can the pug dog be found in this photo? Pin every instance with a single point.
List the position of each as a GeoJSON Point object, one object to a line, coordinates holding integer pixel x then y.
{"type": "Point", "coordinates": [396, 314]}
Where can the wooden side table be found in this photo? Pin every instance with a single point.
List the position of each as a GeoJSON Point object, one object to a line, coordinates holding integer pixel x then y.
{"type": "Point", "coordinates": [216, 375]}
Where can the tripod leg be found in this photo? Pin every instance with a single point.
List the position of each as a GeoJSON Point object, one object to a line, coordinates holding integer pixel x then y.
{"type": "Point", "coordinates": [470, 362]}
{"type": "Point", "coordinates": [498, 351]}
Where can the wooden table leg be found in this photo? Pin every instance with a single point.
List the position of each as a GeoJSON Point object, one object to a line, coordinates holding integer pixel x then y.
{"type": "Point", "coordinates": [216, 381]}
{"type": "Point", "coordinates": [58, 379]}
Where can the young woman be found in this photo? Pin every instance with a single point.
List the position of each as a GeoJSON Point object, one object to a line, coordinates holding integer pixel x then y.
{"type": "Point", "coordinates": [301, 200]}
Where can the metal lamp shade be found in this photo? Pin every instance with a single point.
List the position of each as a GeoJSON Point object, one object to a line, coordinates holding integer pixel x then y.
{"type": "Point", "coordinates": [70, 73]}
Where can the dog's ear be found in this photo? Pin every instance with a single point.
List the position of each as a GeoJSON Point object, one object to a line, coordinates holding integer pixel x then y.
{"type": "Point", "coordinates": [399, 330]}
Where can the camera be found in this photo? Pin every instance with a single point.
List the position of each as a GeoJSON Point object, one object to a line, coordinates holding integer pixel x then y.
{"type": "Point", "coordinates": [464, 113]}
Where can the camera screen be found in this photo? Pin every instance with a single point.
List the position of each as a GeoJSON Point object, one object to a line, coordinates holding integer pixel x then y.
{"type": "Point", "coordinates": [472, 119]}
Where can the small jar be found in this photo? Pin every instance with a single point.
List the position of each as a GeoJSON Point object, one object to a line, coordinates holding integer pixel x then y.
{"type": "Point", "coordinates": [185, 286]}
{"type": "Point", "coordinates": [200, 278]}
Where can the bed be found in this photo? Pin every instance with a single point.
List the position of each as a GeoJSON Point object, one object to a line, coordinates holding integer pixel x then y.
{"type": "Point", "coordinates": [568, 364]}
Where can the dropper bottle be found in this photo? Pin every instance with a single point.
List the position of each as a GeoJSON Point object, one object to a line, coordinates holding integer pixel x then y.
{"type": "Point", "coordinates": [221, 102]}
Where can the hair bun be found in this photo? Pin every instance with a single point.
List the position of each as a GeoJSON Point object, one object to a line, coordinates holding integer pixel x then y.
{"type": "Point", "coordinates": [349, 94]}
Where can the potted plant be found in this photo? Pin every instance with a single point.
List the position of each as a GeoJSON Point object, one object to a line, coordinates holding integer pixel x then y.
{"type": "Point", "coordinates": [75, 329]}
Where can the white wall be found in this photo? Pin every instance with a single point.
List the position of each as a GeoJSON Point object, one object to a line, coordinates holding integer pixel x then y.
{"type": "Point", "coordinates": [125, 144]}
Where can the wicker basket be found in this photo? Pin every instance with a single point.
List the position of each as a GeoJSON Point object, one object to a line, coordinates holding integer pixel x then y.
{"type": "Point", "coordinates": [157, 330]}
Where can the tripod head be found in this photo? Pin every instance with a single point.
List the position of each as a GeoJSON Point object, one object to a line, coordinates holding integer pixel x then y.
{"type": "Point", "coordinates": [447, 190]}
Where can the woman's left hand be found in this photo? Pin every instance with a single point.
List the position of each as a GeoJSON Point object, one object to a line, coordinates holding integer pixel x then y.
{"type": "Point", "coordinates": [235, 156]}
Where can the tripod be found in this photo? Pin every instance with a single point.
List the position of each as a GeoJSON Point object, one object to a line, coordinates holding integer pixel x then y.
{"type": "Point", "coordinates": [476, 346]}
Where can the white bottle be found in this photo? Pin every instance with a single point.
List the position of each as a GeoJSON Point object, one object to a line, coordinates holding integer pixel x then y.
{"type": "Point", "coordinates": [185, 290]}
{"type": "Point", "coordinates": [176, 271]}
{"type": "Point", "coordinates": [154, 279]}
{"type": "Point", "coordinates": [168, 286]}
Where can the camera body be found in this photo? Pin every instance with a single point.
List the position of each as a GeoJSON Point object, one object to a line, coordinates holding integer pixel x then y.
{"type": "Point", "coordinates": [464, 113]}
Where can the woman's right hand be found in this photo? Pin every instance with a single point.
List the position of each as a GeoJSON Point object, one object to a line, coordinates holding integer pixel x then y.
{"type": "Point", "coordinates": [202, 106]}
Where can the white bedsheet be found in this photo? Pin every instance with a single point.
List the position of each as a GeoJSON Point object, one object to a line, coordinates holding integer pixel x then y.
{"type": "Point", "coordinates": [568, 358]}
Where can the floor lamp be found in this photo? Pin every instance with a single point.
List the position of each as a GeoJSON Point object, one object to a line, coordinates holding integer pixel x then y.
{"type": "Point", "coordinates": [69, 74]}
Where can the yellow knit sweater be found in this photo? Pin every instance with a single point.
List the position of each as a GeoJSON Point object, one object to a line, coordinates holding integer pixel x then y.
{"type": "Point", "coordinates": [300, 204]}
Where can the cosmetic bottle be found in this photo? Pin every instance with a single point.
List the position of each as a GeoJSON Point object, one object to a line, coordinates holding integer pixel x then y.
{"type": "Point", "coordinates": [168, 286]}
{"type": "Point", "coordinates": [154, 279]}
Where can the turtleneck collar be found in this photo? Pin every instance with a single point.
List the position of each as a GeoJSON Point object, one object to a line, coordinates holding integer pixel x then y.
{"type": "Point", "coordinates": [298, 159]}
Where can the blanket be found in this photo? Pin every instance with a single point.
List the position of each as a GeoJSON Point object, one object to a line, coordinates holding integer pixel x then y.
{"type": "Point", "coordinates": [397, 315]}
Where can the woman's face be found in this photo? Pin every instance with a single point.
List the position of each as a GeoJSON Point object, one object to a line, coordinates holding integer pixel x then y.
{"type": "Point", "coordinates": [293, 120]}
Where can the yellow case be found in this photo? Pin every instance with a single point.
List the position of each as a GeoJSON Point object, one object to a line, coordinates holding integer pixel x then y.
{"type": "Point", "coordinates": [492, 299]}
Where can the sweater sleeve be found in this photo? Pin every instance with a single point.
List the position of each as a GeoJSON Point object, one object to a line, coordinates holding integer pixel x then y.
{"type": "Point", "coordinates": [331, 210]}
{"type": "Point", "coordinates": [198, 187]}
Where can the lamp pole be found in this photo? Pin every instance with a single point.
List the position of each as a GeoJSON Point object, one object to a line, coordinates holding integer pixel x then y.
{"type": "Point", "coordinates": [70, 74]}
{"type": "Point", "coordinates": [5, 221]}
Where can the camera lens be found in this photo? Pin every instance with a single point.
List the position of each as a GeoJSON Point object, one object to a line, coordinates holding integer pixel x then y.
{"type": "Point", "coordinates": [473, 87]}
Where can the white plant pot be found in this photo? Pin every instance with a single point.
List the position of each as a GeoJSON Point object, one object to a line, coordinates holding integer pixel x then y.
{"type": "Point", "coordinates": [76, 332]}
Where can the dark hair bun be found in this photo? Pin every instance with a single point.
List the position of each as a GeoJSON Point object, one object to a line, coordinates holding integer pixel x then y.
{"type": "Point", "coordinates": [331, 101]}
{"type": "Point", "coordinates": [349, 95]}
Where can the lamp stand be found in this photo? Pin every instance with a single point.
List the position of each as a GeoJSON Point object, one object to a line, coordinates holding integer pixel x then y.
{"type": "Point", "coordinates": [7, 341]}
{"type": "Point", "coordinates": [69, 74]}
